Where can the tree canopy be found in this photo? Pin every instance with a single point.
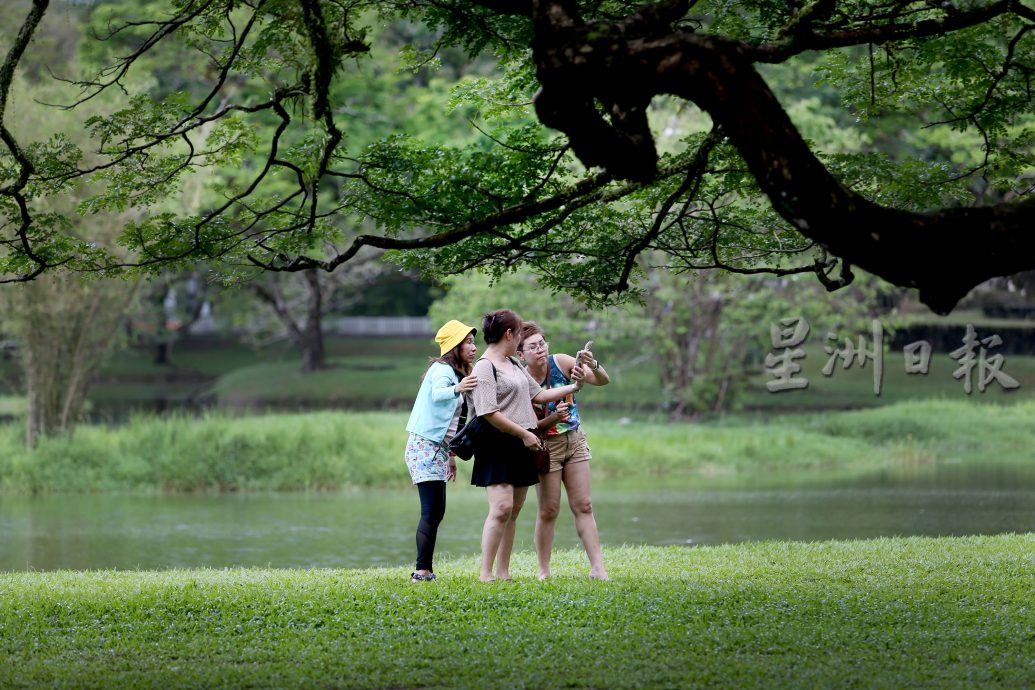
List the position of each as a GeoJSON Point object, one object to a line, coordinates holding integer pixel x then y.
{"type": "Point", "coordinates": [570, 166]}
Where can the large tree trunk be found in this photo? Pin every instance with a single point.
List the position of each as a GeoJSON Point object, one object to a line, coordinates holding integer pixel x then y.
{"type": "Point", "coordinates": [311, 335]}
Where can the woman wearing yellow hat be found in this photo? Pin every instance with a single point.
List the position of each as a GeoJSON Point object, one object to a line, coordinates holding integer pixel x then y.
{"type": "Point", "coordinates": [433, 422]}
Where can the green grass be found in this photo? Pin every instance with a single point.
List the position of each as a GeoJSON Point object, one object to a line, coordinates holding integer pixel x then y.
{"type": "Point", "coordinates": [370, 382]}
{"type": "Point", "coordinates": [12, 405]}
{"type": "Point", "coordinates": [364, 372]}
{"type": "Point", "coordinates": [332, 450]}
{"type": "Point", "coordinates": [889, 613]}
{"type": "Point", "coordinates": [375, 373]}
{"type": "Point", "coordinates": [176, 453]}
{"type": "Point", "coordinates": [962, 317]}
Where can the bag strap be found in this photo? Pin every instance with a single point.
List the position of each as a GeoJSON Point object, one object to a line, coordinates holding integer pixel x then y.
{"type": "Point", "coordinates": [463, 405]}
{"type": "Point", "coordinates": [494, 374]}
{"type": "Point", "coordinates": [463, 414]}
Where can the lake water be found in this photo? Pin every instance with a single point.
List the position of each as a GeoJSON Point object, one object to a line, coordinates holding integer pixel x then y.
{"type": "Point", "coordinates": [375, 528]}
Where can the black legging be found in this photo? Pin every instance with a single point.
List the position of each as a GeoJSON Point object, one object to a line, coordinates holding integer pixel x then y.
{"type": "Point", "coordinates": [432, 508]}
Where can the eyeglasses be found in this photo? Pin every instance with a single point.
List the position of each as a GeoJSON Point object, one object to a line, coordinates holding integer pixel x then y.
{"type": "Point", "coordinates": [536, 348]}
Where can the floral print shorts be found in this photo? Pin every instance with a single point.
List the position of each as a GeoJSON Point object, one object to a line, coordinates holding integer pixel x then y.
{"type": "Point", "coordinates": [427, 461]}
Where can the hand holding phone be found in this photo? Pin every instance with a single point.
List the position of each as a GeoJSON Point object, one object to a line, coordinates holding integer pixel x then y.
{"type": "Point", "coordinates": [584, 356]}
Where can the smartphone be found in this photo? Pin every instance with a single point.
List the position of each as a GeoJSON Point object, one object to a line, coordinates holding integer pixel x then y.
{"type": "Point", "coordinates": [588, 346]}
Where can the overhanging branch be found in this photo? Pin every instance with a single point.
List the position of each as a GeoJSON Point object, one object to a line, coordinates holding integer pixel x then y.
{"type": "Point", "coordinates": [16, 189]}
{"type": "Point", "coordinates": [943, 254]}
{"type": "Point", "coordinates": [581, 194]}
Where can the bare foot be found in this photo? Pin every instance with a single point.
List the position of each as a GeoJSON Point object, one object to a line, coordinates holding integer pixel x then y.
{"type": "Point", "coordinates": [544, 576]}
{"type": "Point", "coordinates": [601, 575]}
{"type": "Point", "coordinates": [482, 578]}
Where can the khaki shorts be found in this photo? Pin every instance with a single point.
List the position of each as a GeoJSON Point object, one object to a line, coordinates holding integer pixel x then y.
{"type": "Point", "coordinates": [569, 447]}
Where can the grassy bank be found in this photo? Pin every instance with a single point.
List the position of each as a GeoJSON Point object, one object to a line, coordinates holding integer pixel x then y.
{"type": "Point", "coordinates": [890, 613]}
{"type": "Point", "coordinates": [331, 450]}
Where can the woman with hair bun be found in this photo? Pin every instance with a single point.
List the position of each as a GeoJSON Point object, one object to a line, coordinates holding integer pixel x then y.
{"type": "Point", "coordinates": [503, 462]}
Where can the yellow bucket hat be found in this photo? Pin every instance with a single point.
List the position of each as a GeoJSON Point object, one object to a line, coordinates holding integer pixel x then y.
{"type": "Point", "coordinates": [452, 334]}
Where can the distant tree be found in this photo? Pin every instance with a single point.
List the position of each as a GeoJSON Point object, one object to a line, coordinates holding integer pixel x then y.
{"type": "Point", "coordinates": [709, 331]}
{"type": "Point", "coordinates": [302, 317]}
{"type": "Point", "coordinates": [391, 293]}
{"type": "Point", "coordinates": [573, 175]}
{"type": "Point", "coordinates": [65, 327]}
{"type": "Point", "coordinates": [170, 306]}
{"type": "Point", "coordinates": [300, 301]}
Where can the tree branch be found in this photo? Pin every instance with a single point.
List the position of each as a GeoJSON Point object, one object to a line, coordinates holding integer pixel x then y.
{"type": "Point", "coordinates": [943, 254]}
{"type": "Point", "coordinates": [801, 36]}
{"type": "Point", "coordinates": [581, 194]}
{"type": "Point", "coordinates": [16, 190]}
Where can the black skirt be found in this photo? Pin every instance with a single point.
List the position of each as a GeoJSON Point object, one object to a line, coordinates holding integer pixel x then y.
{"type": "Point", "coordinates": [503, 459]}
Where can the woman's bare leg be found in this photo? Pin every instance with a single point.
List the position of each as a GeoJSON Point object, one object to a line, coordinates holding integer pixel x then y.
{"type": "Point", "coordinates": [577, 484]}
{"type": "Point", "coordinates": [501, 504]}
{"type": "Point", "coordinates": [549, 493]}
{"type": "Point", "coordinates": [509, 529]}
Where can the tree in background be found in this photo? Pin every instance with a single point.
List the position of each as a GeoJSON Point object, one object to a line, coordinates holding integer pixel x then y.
{"type": "Point", "coordinates": [171, 304]}
{"type": "Point", "coordinates": [709, 330]}
{"type": "Point", "coordinates": [306, 332]}
{"type": "Point", "coordinates": [66, 327]}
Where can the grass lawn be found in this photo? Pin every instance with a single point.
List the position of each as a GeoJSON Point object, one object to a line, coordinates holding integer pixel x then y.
{"type": "Point", "coordinates": [364, 372]}
{"type": "Point", "coordinates": [889, 613]}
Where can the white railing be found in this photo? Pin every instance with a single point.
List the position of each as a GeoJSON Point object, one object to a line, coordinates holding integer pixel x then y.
{"type": "Point", "coordinates": [411, 326]}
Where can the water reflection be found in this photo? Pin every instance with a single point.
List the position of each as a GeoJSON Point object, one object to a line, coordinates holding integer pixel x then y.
{"type": "Point", "coordinates": [375, 528]}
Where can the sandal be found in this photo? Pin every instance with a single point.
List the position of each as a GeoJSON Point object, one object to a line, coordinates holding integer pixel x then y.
{"type": "Point", "coordinates": [417, 577]}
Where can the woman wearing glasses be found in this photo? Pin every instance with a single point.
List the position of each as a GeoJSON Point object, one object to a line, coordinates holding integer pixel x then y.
{"type": "Point", "coordinates": [566, 441]}
{"type": "Point", "coordinates": [503, 463]}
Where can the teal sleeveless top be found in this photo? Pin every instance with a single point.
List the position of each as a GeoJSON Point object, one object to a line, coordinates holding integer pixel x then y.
{"type": "Point", "coordinates": [555, 378]}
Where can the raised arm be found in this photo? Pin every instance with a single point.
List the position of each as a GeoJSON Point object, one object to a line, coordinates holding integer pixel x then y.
{"type": "Point", "coordinates": [593, 376]}
{"type": "Point", "coordinates": [548, 395]}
